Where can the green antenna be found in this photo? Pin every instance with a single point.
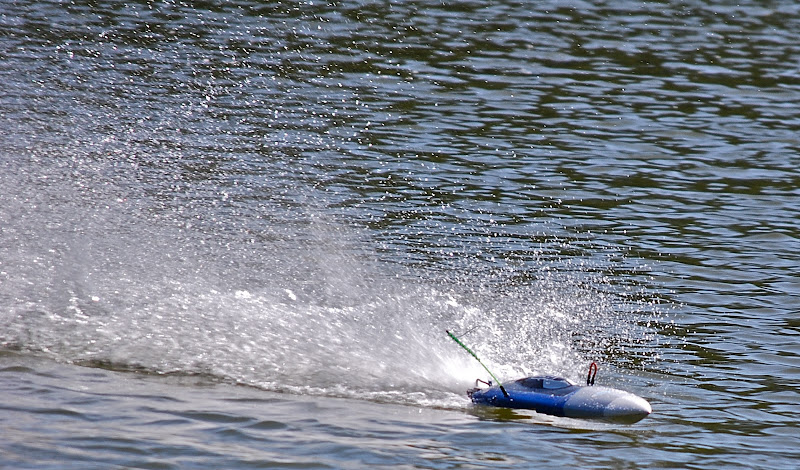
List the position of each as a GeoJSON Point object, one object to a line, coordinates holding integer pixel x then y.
{"type": "Point", "coordinates": [479, 361]}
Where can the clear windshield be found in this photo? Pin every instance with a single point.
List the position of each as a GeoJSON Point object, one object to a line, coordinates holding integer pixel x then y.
{"type": "Point", "coordinates": [547, 383]}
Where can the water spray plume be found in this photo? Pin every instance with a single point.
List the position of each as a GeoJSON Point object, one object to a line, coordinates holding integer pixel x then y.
{"type": "Point", "coordinates": [458, 341]}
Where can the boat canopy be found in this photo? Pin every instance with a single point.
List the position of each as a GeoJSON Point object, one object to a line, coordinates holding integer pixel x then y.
{"type": "Point", "coordinates": [546, 383]}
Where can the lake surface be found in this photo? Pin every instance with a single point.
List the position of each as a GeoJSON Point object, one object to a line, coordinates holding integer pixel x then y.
{"type": "Point", "coordinates": [233, 233]}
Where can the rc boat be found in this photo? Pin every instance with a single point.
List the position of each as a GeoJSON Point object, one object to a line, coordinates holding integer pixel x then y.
{"type": "Point", "coordinates": [560, 397]}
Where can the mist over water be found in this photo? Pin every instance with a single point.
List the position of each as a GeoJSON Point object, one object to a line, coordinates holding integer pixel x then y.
{"type": "Point", "coordinates": [112, 277]}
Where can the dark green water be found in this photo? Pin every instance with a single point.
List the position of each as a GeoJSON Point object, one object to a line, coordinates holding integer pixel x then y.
{"type": "Point", "coordinates": [233, 233]}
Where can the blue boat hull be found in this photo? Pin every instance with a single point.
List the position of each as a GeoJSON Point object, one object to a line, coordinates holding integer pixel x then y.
{"type": "Point", "coordinates": [559, 397]}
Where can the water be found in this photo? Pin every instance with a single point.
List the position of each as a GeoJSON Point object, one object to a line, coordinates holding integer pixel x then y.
{"type": "Point", "coordinates": [232, 234]}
